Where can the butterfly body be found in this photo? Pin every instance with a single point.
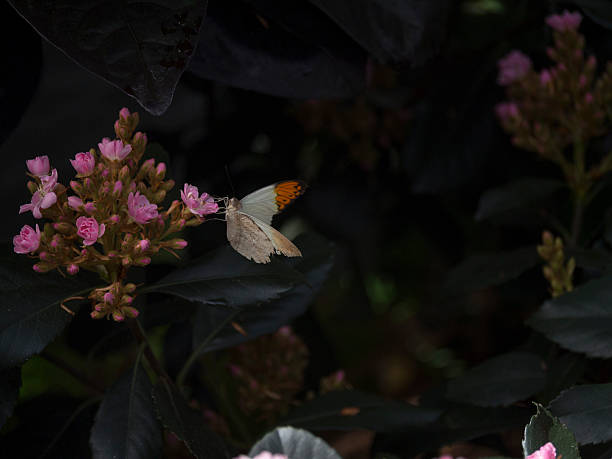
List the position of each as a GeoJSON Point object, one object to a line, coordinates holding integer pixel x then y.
{"type": "Point", "coordinates": [249, 219]}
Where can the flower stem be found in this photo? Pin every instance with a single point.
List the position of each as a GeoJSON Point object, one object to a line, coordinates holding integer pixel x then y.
{"type": "Point", "coordinates": [140, 336]}
{"type": "Point", "coordinates": [75, 373]}
{"type": "Point", "coordinates": [201, 347]}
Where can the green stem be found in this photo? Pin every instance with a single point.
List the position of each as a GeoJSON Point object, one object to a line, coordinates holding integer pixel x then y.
{"type": "Point", "coordinates": [140, 336]}
{"type": "Point", "coordinates": [75, 373]}
{"type": "Point", "coordinates": [180, 379]}
{"type": "Point", "coordinates": [576, 221]}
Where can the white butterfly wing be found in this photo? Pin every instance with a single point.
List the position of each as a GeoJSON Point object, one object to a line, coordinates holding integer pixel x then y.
{"type": "Point", "coordinates": [261, 204]}
{"type": "Point", "coordinates": [281, 244]}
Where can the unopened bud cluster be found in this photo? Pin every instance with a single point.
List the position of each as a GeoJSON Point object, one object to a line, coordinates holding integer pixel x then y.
{"type": "Point", "coordinates": [558, 273]}
{"type": "Point", "coordinates": [109, 218]}
{"type": "Point", "coordinates": [560, 106]}
{"type": "Point", "coordinates": [269, 373]}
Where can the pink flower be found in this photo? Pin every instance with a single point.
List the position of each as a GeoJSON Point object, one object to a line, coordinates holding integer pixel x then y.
{"type": "Point", "coordinates": [124, 113]}
{"type": "Point", "coordinates": [89, 230]}
{"type": "Point", "coordinates": [114, 150]}
{"type": "Point", "coordinates": [140, 209]}
{"type": "Point", "coordinates": [512, 67]}
{"type": "Point", "coordinates": [198, 205]}
{"type": "Point", "coordinates": [547, 451]}
{"type": "Point", "coordinates": [40, 200]}
{"type": "Point", "coordinates": [27, 240]}
{"type": "Point", "coordinates": [83, 163]}
{"type": "Point", "coordinates": [565, 21]}
{"type": "Point", "coordinates": [263, 455]}
{"type": "Point", "coordinates": [49, 182]}
{"type": "Point", "coordinates": [506, 110]}
{"type": "Point", "coordinates": [72, 269]}
{"type": "Point", "coordinates": [38, 166]}
{"type": "Point", "coordinates": [545, 77]}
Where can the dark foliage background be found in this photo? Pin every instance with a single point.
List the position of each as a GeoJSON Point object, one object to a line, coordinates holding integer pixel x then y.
{"type": "Point", "coordinates": [386, 110]}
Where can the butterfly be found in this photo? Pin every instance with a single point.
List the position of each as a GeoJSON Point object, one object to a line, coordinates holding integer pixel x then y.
{"type": "Point", "coordinates": [249, 220]}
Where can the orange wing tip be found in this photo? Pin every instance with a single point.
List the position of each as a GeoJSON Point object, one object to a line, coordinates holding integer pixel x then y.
{"type": "Point", "coordinates": [288, 191]}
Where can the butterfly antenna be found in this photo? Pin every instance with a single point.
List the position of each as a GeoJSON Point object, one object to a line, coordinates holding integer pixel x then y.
{"type": "Point", "coordinates": [229, 179]}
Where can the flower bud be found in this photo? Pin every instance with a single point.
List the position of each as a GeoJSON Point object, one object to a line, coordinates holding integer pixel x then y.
{"type": "Point", "coordinates": [99, 307]}
{"type": "Point", "coordinates": [126, 261]}
{"type": "Point", "coordinates": [114, 219]}
{"type": "Point", "coordinates": [87, 183]}
{"type": "Point", "coordinates": [130, 312]}
{"type": "Point", "coordinates": [160, 171]}
{"type": "Point", "coordinates": [97, 314]}
{"type": "Point", "coordinates": [43, 267]}
{"type": "Point", "coordinates": [117, 188]}
{"type": "Point", "coordinates": [72, 269]}
{"type": "Point", "coordinates": [129, 288]}
{"type": "Point", "coordinates": [142, 261]}
{"type": "Point", "coordinates": [175, 205]}
{"type": "Point", "coordinates": [126, 299]}
{"type": "Point", "coordinates": [90, 208]}
{"type": "Point", "coordinates": [44, 255]}
{"type": "Point", "coordinates": [194, 221]}
{"type": "Point", "coordinates": [118, 316]}
{"type": "Point", "coordinates": [76, 186]}
{"type": "Point", "coordinates": [177, 243]}
{"type": "Point", "coordinates": [159, 196]}
{"type": "Point", "coordinates": [147, 166]}
{"type": "Point", "coordinates": [109, 298]}
{"type": "Point", "coordinates": [124, 173]}
{"type": "Point", "coordinates": [143, 245]}
{"type": "Point", "coordinates": [64, 228]}
{"type": "Point", "coordinates": [75, 202]}
{"type": "Point", "coordinates": [168, 185]}
{"type": "Point", "coordinates": [33, 187]}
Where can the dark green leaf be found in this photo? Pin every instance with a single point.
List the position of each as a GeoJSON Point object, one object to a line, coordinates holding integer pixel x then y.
{"type": "Point", "coordinates": [226, 278]}
{"type": "Point", "coordinates": [349, 410]}
{"type": "Point", "coordinates": [294, 443]}
{"type": "Point", "coordinates": [563, 373]}
{"type": "Point", "coordinates": [395, 32]}
{"type": "Point", "coordinates": [141, 47]}
{"type": "Point", "coordinates": [499, 381]}
{"type": "Point", "coordinates": [297, 52]}
{"type": "Point", "coordinates": [30, 313]}
{"type": "Point", "coordinates": [458, 423]}
{"type": "Point", "coordinates": [590, 259]}
{"type": "Point", "coordinates": [488, 269]}
{"type": "Point", "coordinates": [544, 428]}
{"type": "Point", "coordinates": [187, 424]}
{"type": "Point", "coordinates": [258, 320]}
{"type": "Point", "coordinates": [10, 380]}
{"type": "Point", "coordinates": [126, 425]}
{"type": "Point", "coordinates": [581, 320]}
{"type": "Point", "coordinates": [587, 411]}
{"type": "Point", "coordinates": [524, 192]}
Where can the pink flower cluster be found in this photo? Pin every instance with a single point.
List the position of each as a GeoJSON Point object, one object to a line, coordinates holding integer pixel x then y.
{"type": "Point", "coordinates": [110, 217]}
{"type": "Point", "coordinates": [513, 67]}
{"type": "Point", "coordinates": [548, 451]}
{"type": "Point", "coordinates": [564, 21]}
{"type": "Point", "coordinates": [263, 455]}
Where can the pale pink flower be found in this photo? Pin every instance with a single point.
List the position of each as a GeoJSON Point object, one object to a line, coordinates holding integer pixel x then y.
{"type": "Point", "coordinates": [263, 455]}
{"type": "Point", "coordinates": [564, 21]}
{"type": "Point", "coordinates": [114, 149]}
{"type": "Point", "coordinates": [38, 166]}
{"type": "Point", "coordinates": [513, 67]}
{"type": "Point", "coordinates": [548, 451]}
{"type": "Point", "coordinates": [27, 240]}
{"type": "Point", "coordinates": [89, 229]}
{"type": "Point", "coordinates": [83, 163]}
{"type": "Point", "coordinates": [40, 200]}
{"type": "Point", "coordinates": [49, 182]}
{"type": "Point", "coordinates": [140, 209]}
{"type": "Point", "coordinates": [198, 205]}
{"type": "Point", "coordinates": [506, 110]}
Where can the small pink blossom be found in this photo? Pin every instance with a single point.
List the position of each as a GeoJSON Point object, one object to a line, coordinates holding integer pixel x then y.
{"type": "Point", "coordinates": [89, 230]}
{"type": "Point", "coordinates": [38, 166]}
{"type": "Point", "coordinates": [83, 163]}
{"type": "Point", "coordinates": [564, 21]}
{"type": "Point", "coordinates": [198, 205]}
{"type": "Point", "coordinates": [75, 202]}
{"type": "Point", "coordinates": [27, 240]}
{"type": "Point", "coordinates": [114, 149]}
{"type": "Point", "coordinates": [124, 113]}
{"type": "Point", "coordinates": [512, 67]}
{"type": "Point", "coordinates": [49, 182]}
{"type": "Point", "coordinates": [548, 451]}
{"type": "Point", "coordinates": [263, 455]}
{"type": "Point", "coordinates": [140, 209]}
{"type": "Point", "coordinates": [144, 244]}
{"type": "Point", "coordinates": [506, 110]}
{"type": "Point", "coordinates": [117, 187]}
{"type": "Point", "coordinates": [40, 200]}
{"type": "Point", "coordinates": [109, 298]}
{"type": "Point", "coordinates": [90, 208]}
{"type": "Point", "coordinates": [72, 269]}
